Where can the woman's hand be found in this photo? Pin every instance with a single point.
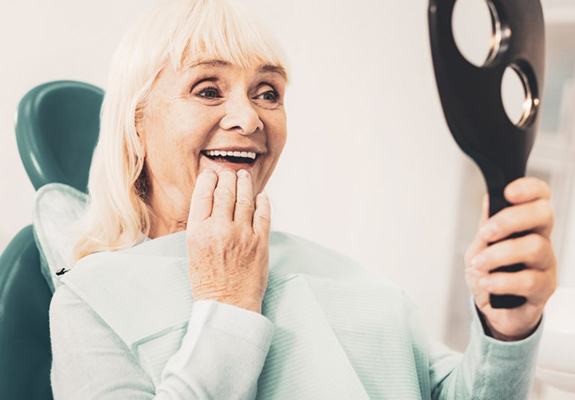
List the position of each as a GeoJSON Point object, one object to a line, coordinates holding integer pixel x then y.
{"type": "Point", "coordinates": [227, 239]}
{"type": "Point", "coordinates": [531, 211]}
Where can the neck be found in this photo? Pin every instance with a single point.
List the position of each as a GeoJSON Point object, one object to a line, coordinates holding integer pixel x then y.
{"type": "Point", "coordinates": [168, 215]}
{"type": "Point", "coordinates": [161, 227]}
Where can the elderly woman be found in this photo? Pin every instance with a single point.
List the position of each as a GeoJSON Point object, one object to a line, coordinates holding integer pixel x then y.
{"type": "Point", "coordinates": [182, 292]}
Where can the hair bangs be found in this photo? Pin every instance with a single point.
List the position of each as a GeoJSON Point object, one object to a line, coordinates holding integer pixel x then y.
{"type": "Point", "coordinates": [216, 30]}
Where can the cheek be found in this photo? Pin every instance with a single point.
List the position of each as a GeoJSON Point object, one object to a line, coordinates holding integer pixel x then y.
{"type": "Point", "coordinates": [277, 133]}
{"type": "Point", "coordinates": [170, 147]}
{"type": "Point", "coordinates": [181, 136]}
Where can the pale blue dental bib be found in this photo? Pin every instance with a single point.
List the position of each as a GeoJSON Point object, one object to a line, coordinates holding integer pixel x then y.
{"type": "Point", "coordinates": [340, 333]}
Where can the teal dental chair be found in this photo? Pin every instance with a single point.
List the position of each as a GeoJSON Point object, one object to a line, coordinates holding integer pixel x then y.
{"type": "Point", "coordinates": [57, 129]}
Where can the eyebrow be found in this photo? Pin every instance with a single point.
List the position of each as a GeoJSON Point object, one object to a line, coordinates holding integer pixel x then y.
{"type": "Point", "coordinates": [221, 63]}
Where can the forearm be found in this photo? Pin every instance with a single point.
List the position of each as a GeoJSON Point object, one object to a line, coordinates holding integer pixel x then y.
{"type": "Point", "coordinates": [221, 356]}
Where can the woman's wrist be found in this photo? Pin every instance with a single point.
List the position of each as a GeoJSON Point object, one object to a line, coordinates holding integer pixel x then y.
{"type": "Point", "coordinates": [491, 331]}
{"type": "Point", "coordinates": [248, 304]}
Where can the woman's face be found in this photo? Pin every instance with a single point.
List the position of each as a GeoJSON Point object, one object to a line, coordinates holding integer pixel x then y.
{"type": "Point", "coordinates": [214, 106]}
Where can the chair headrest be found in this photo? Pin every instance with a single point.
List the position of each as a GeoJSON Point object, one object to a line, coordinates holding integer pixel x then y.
{"type": "Point", "coordinates": [57, 128]}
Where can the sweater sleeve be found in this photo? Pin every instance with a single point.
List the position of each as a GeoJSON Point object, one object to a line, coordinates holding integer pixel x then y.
{"type": "Point", "coordinates": [489, 369]}
{"type": "Point", "coordinates": [221, 355]}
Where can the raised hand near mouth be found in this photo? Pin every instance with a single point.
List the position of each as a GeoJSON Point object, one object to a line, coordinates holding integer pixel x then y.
{"type": "Point", "coordinates": [227, 239]}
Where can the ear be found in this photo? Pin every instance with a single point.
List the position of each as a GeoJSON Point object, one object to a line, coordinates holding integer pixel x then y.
{"type": "Point", "coordinates": [139, 118]}
{"type": "Point", "coordinates": [140, 128]}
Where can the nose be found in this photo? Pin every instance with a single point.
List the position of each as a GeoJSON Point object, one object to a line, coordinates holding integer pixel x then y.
{"type": "Point", "coordinates": [241, 116]}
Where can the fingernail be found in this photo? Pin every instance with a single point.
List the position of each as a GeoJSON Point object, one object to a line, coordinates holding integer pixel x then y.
{"type": "Point", "coordinates": [488, 230]}
{"type": "Point", "coordinates": [513, 191]}
{"type": "Point", "coordinates": [243, 173]}
{"type": "Point", "coordinates": [485, 282]}
{"type": "Point", "coordinates": [477, 261]}
{"type": "Point", "coordinates": [474, 273]}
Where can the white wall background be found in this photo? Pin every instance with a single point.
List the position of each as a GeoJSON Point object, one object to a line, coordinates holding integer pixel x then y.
{"type": "Point", "coordinates": [369, 169]}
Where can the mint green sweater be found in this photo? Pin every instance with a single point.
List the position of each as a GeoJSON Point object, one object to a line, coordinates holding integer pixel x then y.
{"type": "Point", "coordinates": [124, 326]}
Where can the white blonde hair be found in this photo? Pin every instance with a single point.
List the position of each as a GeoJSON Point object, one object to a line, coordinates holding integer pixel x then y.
{"type": "Point", "coordinates": [177, 31]}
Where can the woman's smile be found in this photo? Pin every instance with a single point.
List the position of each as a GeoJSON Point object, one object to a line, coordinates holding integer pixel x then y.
{"type": "Point", "coordinates": [234, 158]}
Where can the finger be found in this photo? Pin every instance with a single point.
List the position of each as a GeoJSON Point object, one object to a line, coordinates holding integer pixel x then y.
{"type": "Point", "coordinates": [244, 210]}
{"type": "Point", "coordinates": [482, 299]}
{"type": "Point", "coordinates": [484, 210]}
{"type": "Point", "coordinates": [225, 195]}
{"type": "Point", "coordinates": [472, 277]}
{"type": "Point", "coordinates": [526, 189]}
{"type": "Point", "coordinates": [478, 244]}
{"type": "Point", "coordinates": [476, 247]}
{"type": "Point", "coordinates": [202, 197]}
{"type": "Point", "coordinates": [535, 285]}
{"type": "Point", "coordinates": [262, 215]}
{"type": "Point", "coordinates": [533, 250]}
{"type": "Point", "coordinates": [535, 216]}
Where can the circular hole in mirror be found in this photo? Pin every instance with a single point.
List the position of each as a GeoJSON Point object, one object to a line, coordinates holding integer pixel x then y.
{"type": "Point", "coordinates": [476, 30]}
{"type": "Point", "coordinates": [517, 97]}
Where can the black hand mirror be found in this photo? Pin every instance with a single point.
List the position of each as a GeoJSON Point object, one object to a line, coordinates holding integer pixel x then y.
{"type": "Point", "coordinates": [472, 101]}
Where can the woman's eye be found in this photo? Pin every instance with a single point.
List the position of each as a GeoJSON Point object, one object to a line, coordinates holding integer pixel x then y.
{"type": "Point", "coordinates": [210, 93]}
{"type": "Point", "coordinates": [272, 95]}
{"type": "Point", "coordinates": [213, 93]}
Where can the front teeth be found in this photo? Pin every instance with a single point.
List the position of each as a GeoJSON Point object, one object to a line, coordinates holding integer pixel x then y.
{"type": "Point", "coordinates": [245, 154]}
